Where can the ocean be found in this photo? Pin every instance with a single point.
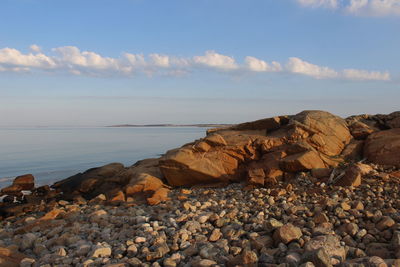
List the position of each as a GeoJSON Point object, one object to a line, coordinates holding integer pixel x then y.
{"type": "Point", "coordinates": [52, 154]}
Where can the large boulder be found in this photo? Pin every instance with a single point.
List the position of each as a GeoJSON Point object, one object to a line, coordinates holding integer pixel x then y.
{"type": "Point", "coordinates": [141, 181]}
{"type": "Point", "coordinates": [327, 133]}
{"type": "Point", "coordinates": [384, 147]}
{"type": "Point", "coordinates": [190, 165]}
{"type": "Point", "coordinates": [393, 120]}
{"type": "Point", "coordinates": [314, 139]}
{"type": "Point", "coordinates": [363, 125]}
{"type": "Point", "coordinates": [92, 182]}
{"type": "Point", "coordinates": [20, 183]}
{"type": "Point", "coordinates": [26, 182]}
{"type": "Point", "coordinates": [360, 130]}
{"type": "Point", "coordinates": [302, 162]}
{"type": "Point", "coordinates": [308, 140]}
{"type": "Point", "coordinates": [146, 180]}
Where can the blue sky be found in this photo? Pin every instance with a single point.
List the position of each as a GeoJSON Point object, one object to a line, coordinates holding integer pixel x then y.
{"type": "Point", "coordinates": [72, 63]}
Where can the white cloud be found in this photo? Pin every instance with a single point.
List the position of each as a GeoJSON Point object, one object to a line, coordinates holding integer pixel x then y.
{"type": "Point", "coordinates": [35, 48]}
{"type": "Point", "coordinates": [160, 60]}
{"type": "Point", "coordinates": [215, 60]}
{"type": "Point", "coordinates": [374, 7]}
{"type": "Point", "coordinates": [319, 3]}
{"type": "Point", "coordinates": [135, 59]}
{"type": "Point", "coordinates": [363, 75]}
{"type": "Point", "coordinates": [299, 66]}
{"type": "Point", "coordinates": [71, 59]}
{"type": "Point", "coordinates": [358, 7]}
{"type": "Point", "coordinates": [72, 56]}
{"type": "Point", "coordinates": [12, 58]}
{"type": "Point", "coordinates": [255, 64]}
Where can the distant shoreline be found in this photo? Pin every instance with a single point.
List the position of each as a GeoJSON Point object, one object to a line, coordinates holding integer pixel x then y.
{"type": "Point", "coordinates": [169, 125]}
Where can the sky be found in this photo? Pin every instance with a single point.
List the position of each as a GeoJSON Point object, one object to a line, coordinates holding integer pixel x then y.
{"type": "Point", "coordinates": [104, 62]}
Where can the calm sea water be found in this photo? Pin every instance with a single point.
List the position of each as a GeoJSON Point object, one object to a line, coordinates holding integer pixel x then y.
{"type": "Point", "coordinates": [52, 154]}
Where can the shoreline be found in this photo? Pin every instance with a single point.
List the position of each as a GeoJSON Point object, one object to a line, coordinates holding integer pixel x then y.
{"type": "Point", "coordinates": [310, 189]}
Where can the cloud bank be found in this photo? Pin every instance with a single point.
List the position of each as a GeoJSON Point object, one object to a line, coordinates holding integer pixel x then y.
{"type": "Point", "coordinates": [358, 7]}
{"type": "Point", "coordinates": [70, 59]}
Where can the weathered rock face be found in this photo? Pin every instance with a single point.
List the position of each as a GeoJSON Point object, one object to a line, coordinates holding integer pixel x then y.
{"type": "Point", "coordinates": [308, 140]}
{"type": "Point", "coordinates": [93, 181]}
{"type": "Point", "coordinates": [141, 181]}
{"type": "Point", "coordinates": [187, 166]}
{"type": "Point", "coordinates": [261, 152]}
{"type": "Point", "coordinates": [384, 147]}
{"type": "Point", "coordinates": [26, 182]}
{"type": "Point", "coordinates": [23, 182]}
{"type": "Point", "coordinates": [361, 126]}
{"type": "Point", "coordinates": [327, 133]}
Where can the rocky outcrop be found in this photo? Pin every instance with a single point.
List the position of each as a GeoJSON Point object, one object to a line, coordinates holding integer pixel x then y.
{"type": "Point", "coordinates": [310, 139]}
{"type": "Point", "coordinates": [313, 205]}
{"type": "Point", "coordinates": [140, 182]}
{"type": "Point", "coordinates": [313, 144]}
{"type": "Point", "coordinates": [384, 147]}
{"type": "Point", "coordinates": [361, 126]}
{"type": "Point", "coordinates": [21, 183]}
{"type": "Point", "coordinates": [93, 181]}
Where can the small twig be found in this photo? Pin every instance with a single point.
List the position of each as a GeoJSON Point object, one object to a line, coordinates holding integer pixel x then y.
{"type": "Point", "coordinates": [332, 176]}
{"type": "Point", "coordinates": [361, 161]}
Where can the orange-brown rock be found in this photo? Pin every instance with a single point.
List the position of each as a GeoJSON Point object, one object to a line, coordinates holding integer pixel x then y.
{"type": "Point", "coordinates": [310, 139]}
{"type": "Point", "coordinates": [159, 196]}
{"type": "Point", "coordinates": [352, 176]}
{"type": "Point", "coordinates": [23, 182]}
{"type": "Point", "coordinates": [269, 163]}
{"type": "Point", "coordinates": [320, 173]}
{"type": "Point", "coordinates": [10, 258]}
{"type": "Point", "coordinates": [93, 181]}
{"type": "Point", "coordinates": [256, 177]}
{"type": "Point", "coordinates": [360, 130]}
{"type": "Point", "coordinates": [395, 121]}
{"type": "Point", "coordinates": [146, 181]}
{"type": "Point", "coordinates": [117, 197]}
{"type": "Point", "coordinates": [141, 180]}
{"type": "Point", "coordinates": [327, 133]}
{"type": "Point", "coordinates": [143, 183]}
{"type": "Point", "coordinates": [306, 141]}
{"type": "Point", "coordinates": [364, 168]}
{"type": "Point", "coordinates": [384, 147]}
{"type": "Point", "coordinates": [12, 189]}
{"type": "Point", "coordinates": [353, 151]}
{"type": "Point", "coordinates": [302, 162]}
{"type": "Point", "coordinates": [269, 124]}
{"type": "Point", "coordinates": [26, 182]}
{"type": "Point", "coordinates": [52, 215]}
{"type": "Point", "coordinates": [188, 167]}
{"type": "Point", "coordinates": [287, 233]}
{"type": "Point", "coordinates": [229, 148]}
{"type": "Point", "coordinates": [320, 217]}
{"type": "Point", "coordinates": [247, 258]}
